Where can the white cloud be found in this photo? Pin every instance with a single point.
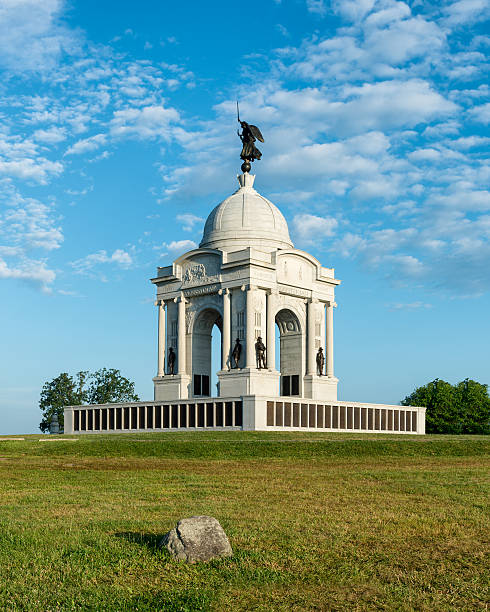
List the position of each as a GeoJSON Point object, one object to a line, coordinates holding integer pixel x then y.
{"type": "Point", "coordinates": [52, 135]}
{"type": "Point", "coordinates": [189, 221]}
{"type": "Point", "coordinates": [468, 142]}
{"type": "Point", "coordinates": [38, 170]}
{"type": "Point", "coordinates": [391, 104]}
{"type": "Point", "coordinates": [87, 145]}
{"type": "Point", "coordinates": [310, 227]}
{"type": "Point", "coordinates": [32, 37]}
{"type": "Point", "coordinates": [35, 272]}
{"type": "Point", "coordinates": [353, 10]}
{"type": "Point", "coordinates": [464, 12]}
{"type": "Point", "coordinates": [282, 30]}
{"type": "Point", "coordinates": [148, 122]}
{"type": "Point", "coordinates": [177, 247]}
{"type": "Point", "coordinates": [119, 257]}
{"type": "Point", "coordinates": [481, 113]}
{"type": "Point", "coordinates": [316, 6]}
{"type": "Point", "coordinates": [409, 306]}
{"type": "Point", "coordinates": [428, 154]}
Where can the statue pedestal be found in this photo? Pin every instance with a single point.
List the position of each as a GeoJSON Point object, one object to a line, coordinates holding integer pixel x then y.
{"type": "Point", "coordinates": [320, 387]}
{"type": "Point", "coordinates": [248, 381]}
{"type": "Point", "coordinates": [172, 387]}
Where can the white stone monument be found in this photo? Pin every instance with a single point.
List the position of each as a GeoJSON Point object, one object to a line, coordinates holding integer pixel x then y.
{"type": "Point", "coordinates": [246, 277]}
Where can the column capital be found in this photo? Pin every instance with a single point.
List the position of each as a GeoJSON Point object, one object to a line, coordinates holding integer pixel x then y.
{"type": "Point", "coordinates": [313, 300]}
{"type": "Point", "coordinates": [224, 291]}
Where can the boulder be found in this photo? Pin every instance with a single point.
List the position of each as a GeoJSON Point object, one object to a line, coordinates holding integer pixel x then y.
{"type": "Point", "coordinates": [199, 538]}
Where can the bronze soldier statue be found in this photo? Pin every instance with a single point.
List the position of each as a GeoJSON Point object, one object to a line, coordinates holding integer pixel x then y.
{"type": "Point", "coordinates": [237, 351]}
{"type": "Point", "coordinates": [250, 133]}
{"type": "Point", "coordinates": [320, 362]}
{"type": "Point", "coordinates": [260, 354]}
{"type": "Point", "coordinates": [171, 361]}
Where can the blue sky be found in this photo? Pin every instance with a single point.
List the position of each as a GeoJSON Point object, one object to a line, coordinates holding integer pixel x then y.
{"type": "Point", "coordinates": [118, 136]}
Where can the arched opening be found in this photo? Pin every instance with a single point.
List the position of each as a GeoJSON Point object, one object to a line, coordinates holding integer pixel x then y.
{"type": "Point", "coordinates": [290, 353]}
{"type": "Point", "coordinates": [206, 352]}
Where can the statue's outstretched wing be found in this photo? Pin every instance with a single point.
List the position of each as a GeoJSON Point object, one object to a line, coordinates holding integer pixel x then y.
{"type": "Point", "coordinates": [256, 132]}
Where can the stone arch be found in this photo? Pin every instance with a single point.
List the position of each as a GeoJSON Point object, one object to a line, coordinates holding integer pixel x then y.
{"type": "Point", "coordinates": [201, 349]}
{"type": "Point", "coordinates": [291, 351]}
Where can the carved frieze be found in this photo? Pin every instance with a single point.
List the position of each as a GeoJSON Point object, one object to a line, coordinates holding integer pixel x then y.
{"type": "Point", "coordinates": [194, 272]}
{"type": "Point", "coordinates": [201, 272]}
{"type": "Point", "coordinates": [296, 291]}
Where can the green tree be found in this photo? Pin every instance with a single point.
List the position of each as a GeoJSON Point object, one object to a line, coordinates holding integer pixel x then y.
{"type": "Point", "coordinates": [108, 386]}
{"type": "Point", "coordinates": [64, 390]}
{"type": "Point", "coordinates": [438, 397]}
{"type": "Point", "coordinates": [462, 408]}
{"type": "Point", "coordinates": [104, 386]}
{"type": "Point", "coordinates": [473, 403]}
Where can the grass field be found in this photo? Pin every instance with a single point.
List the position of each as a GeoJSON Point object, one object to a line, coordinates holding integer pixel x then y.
{"type": "Point", "coordinates": [316, 521]}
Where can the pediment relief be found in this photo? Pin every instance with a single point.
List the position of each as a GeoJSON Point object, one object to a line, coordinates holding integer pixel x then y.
{"type": "Point", "coordinates": [295, 270]}
{"type": "Point", "coordinates": [201, 269]}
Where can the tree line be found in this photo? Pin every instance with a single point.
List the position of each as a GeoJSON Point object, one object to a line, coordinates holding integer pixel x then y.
{"type": "Point", "coordinates": [104, 386]}
{"type": "Point", "coordinates": [463, 408]}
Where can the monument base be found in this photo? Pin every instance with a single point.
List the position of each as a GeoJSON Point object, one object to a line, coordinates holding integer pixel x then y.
{"type": "Point", "coordinates": [248, 412]}
{"type": "Point", "coordinates": [248, 381]}
{"type": "Point", "coordinates": [320, 387]}
{"type": "Point", "coordinates": [171, 387]}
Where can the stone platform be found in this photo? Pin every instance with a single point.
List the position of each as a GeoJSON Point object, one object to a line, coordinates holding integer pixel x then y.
{"type": "Point", "coordinates": [247, 413]}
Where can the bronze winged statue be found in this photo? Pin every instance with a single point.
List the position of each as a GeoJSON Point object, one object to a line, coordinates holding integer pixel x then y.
{"type": "Point", "coordinates": [250, 134]}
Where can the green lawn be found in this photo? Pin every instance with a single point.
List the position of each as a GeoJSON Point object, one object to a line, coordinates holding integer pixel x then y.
{"type": "Point", "coordinates": [316, 521]}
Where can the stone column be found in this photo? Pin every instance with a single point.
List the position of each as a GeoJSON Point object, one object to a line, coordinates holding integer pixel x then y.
{"type": "Point", "coordinates": [310, 340]}
{"type": "Point", "coordinates": [181, 365]}
{"type": "Point", "coordinates": [271, 331]}
{"type": "Point", "coordinates": [249, 332]}
{"type": "Point", "coordinates": [330, 306]}
{"type": "Point", "coordinates": [226, 333]}
{"type": "Point", "coordinates": [161, 337]}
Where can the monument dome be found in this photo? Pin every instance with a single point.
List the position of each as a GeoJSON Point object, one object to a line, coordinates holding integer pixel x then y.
{"type": "Point", "coordinates": [246, 219]}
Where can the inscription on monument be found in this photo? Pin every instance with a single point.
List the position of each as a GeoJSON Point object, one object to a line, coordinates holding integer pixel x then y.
{"type": "Point", "coordinates": [294, 291]}
{"type": "Point", "coordinates": [201, 290]}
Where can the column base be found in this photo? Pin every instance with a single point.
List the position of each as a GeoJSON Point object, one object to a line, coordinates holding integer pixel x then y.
{"type": "Point", "coordinates": [320, 387]}
{"type": "Point", "coordinates": [248, 381]}
{"type": "Point", "coordinates": [171, 387]}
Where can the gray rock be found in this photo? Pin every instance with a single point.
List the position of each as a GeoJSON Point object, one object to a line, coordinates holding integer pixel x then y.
{"type": "Point", "coordinates": [199, 538]}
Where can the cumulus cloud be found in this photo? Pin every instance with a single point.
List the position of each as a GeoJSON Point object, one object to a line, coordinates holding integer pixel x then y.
{"type": "Point", "coordinates": [316, 6]}
{"type": "Point", "coordinates": [52, 135]}
{"type": "Point", "coordinates": [148, 122]}
{"type": "Point", "coordinates": [119, 257]}
{"type": "Point", "coordinates": [177, 247]}
{"type": "Point", "coordinates": [353, 10]}
{"type": "Point", "coordinates": [35, 272]}
{"type": "Point", "coordinates": [464, 12]}
{"type": "Point", "coordinates": [28, 230]}
{"type": "Point", "coordinates": [87, 145]}
{"type": "Point", "coordinates": [310, 227]}
{"type": "Point", "coordinates": [189, 221]}
{"type": "Point", "coordinates": [481, 113]}
{"type": "Point", "coordinates": [32, 36]}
